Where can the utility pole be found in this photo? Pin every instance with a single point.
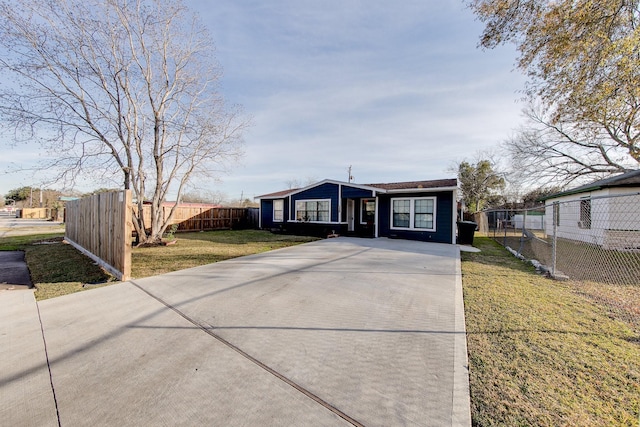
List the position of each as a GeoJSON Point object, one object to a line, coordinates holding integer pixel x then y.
{"type": "Point", "coordinates": [350, 177]}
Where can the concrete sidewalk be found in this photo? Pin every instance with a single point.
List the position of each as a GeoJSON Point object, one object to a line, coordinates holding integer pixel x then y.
{"type": "Point", "coordinates": [336, 332]}
{"type": "Point", "coordinates": [26, 397]}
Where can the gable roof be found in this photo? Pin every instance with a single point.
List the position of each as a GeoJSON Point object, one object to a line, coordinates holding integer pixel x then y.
{"type": "Point", "coordinates": [627, 179]}
{"type": "Point", "coordinates": [277, 194]}
{"type": "Point", "coordinates": [440, 184]}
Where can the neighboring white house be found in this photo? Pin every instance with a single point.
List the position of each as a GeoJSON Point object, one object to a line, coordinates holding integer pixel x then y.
{"type": "Point", "coordinates": [604, 213]}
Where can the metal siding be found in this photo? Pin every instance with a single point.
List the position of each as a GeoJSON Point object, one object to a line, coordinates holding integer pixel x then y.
{"type": "Point", "coordinates": [324, 191]}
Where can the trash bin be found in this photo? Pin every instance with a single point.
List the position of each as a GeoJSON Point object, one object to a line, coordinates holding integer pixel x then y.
{"type": "Point", "coordinates": [466, 230]}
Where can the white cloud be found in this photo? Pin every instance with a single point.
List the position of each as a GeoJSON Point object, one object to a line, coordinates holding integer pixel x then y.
{"type": "Point", "coordinates": [398, 90]}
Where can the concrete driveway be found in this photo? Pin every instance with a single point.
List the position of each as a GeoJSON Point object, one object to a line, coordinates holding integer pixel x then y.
{"type": "Point", "coordinates": [336, 332]}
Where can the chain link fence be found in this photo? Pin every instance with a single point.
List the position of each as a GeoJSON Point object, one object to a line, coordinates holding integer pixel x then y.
{"type": "Point", "coordinates": [593, 242]}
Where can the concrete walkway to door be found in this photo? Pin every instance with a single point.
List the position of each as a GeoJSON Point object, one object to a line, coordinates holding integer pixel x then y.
{"type": "Point", "coordinates": [335, 332]}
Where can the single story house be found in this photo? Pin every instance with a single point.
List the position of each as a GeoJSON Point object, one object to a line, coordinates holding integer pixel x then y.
{"type": "Point", "coordinates": [418, 210]}
{"type": "Point", "coordinates": [604, 213]}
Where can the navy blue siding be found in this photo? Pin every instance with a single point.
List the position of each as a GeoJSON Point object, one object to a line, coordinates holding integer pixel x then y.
{"type": "Point", "coordinates": [266, 214]}
{"type": "Point", "coordinates": [355, 193]}
{"type": "Point", "coordinates": [444, 218]}
{"type": "Point", "coordinates": [324, 191]}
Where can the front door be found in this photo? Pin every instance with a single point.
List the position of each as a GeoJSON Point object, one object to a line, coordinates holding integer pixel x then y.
{"type": "Point", "coordinates": [351, 214]}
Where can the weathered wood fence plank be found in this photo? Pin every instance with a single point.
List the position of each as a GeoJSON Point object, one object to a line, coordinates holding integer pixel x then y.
{"type": "Point", "coordinates": [207, 219]}
{"type": "Point", "coordinates": [100, 226]}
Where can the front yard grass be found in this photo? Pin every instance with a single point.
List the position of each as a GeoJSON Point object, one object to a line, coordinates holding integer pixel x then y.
{"type": "Point", "coordinates": [199, 248]}
{"type": "Point", "coordinates": [542, 354]}
{"type": "Point", "coordinates": [58, 269]}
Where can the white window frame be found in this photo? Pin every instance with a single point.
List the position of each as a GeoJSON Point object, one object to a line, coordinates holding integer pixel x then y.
{"type": "Point", "coordinates": [295, 210]}
{"type": "Point", "coordinates": [412, 210]}
{"type": "Point", "coordinates": [281, 210]}
{"type": "Point", "coordinates": [585, 213]}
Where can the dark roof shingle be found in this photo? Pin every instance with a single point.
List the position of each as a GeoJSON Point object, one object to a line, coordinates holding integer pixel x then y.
{"type": "Point", "coordinates": [627, 179]}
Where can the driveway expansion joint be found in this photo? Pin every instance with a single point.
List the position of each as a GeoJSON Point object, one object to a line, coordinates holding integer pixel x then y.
{"type": "Point", "coordinates": [208, 329]}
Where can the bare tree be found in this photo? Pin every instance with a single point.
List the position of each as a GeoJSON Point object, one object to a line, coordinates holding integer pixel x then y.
{"type": "Point", "coordinates": [583, 63]}
{"type": "Point", "coordinates": [552, 151]}
{"type": "Point", "coordinates": [299, 182]}
{"type": "Point", "coordinates": [118, 86]}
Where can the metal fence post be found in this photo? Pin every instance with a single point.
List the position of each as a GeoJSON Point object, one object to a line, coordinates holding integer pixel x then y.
{"type": "Point", "coordinates": [504, 226]}
{"type": "Point", "coordinates": [554, 245]}
{"type": "Point", "coordinates": [523, 234]}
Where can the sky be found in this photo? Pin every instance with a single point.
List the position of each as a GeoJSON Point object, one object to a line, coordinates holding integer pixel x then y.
{"type": "Point", "coordinates": [399, 91]}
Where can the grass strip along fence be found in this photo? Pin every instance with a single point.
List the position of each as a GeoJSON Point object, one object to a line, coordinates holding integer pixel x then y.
{"type": "Point", "coordinates": [594, 241]}
{"type": "Point", "coordinates": [541, 352]}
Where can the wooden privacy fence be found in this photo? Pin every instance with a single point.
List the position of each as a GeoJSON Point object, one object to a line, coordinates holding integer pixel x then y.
{"type": "Point", "coordinates": [100, 227]}
{"type": "Point", "coordinates": [207, 219]}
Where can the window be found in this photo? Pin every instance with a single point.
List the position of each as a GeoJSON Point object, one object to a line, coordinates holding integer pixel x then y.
{"type": "Point", "coordinates": [368, 212]}
{"type": "Point", "coordinates": [401, 213]}
{"type": "Point", "coordinates": [585, 213]}
{"type": "Point", "coordinates": [278, 210]}
{"type": "Point", "coordinates": [423, 213]}
{"type": "Point", "coordinates": [313, 210]}
{"type": "Point", "coordinates": [414, 213]}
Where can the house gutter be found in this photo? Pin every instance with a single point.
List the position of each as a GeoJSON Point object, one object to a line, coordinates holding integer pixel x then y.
{"type": "Point", "coordinates": [421, 190]}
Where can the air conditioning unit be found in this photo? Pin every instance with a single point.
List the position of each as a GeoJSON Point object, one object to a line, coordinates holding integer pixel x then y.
{"type": "Point", "coordinates": [584, 224]}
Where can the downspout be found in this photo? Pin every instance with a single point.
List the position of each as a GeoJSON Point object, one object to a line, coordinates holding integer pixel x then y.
{"type": "Point", "coordinates": [260, 215]}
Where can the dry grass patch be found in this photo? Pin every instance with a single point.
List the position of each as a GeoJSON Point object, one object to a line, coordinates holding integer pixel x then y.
{"type": "Point", "coordinates": [542, 354]}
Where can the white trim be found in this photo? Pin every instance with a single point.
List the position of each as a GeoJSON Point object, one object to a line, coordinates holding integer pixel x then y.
{"type": "Point", "coordinates": [339, 202]}
{"type": "Point", "coordinates": [412, 213]}
{"type": "Point", "coordinates": [362, 222]}
{"type": "Point", "coordinates": [295, 210]}
{"type": "Point", "coordinates": [421, 190]}
{"type": "Point", "coordinates": [371, 188]}
{"type": "Point", "coordinates": [332, 181]}
{"type": "Point", "coordinates": [351, 215]}
{"type": "Point", "coordinates": [293, 221]}
{"type": "Point", "coordinates": [273, 215]}
{"type": "Point", "coordinates": [454, 216]}
{"type": "Point", "coordinates": [375, 225]}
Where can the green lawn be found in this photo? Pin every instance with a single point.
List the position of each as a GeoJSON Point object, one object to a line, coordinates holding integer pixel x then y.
{"type": "Point", "coordinates": [542, 354]}
{"type": "Point", "coordinates": [56, 268]}
{"type": "Point", "coordinates": [199, 248]}
{"type": "Point", "coordinates": [59, 269]}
